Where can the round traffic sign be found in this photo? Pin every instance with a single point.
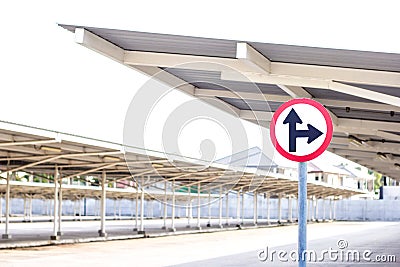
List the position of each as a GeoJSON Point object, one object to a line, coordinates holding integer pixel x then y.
{"type": "Point", "coordinates": [301, 129]}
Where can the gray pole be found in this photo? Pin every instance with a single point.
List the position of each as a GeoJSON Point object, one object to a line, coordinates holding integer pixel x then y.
{"type": "Point", "coordinates": [279, 209]}
{"type": "Point", "coordinates": [102, 231]}
{"type": "Point", "coordinates": [6, 234]}
{"type": "Point", "coordinates": [220, 207]}
{"type": "Point", "coordinates": [1, 207]}
{"type": "Point", "coordinates": [290, 209]}
{"type": "Point", "coordinates": [268, 209]}
{"type": "Point", "coordinates": [142, 208]}
{"type": "Point", "coordinates": [209, 209]}
{"type": "Point", "coordinates": [242, 206]}
{"type": "Point", "coordinates": [238, 208]}
{"type": "Point", "coordinates": [198, 207]}
{"type": "Point", "coordinates": [55, 211]}
{"type": "Point", "coordinates": [227, 209]}
{"type": "Point", "coordinates": [59, 209]}
{"type": "Point", "coordinates": [189, 207]}
{"type": "Point", "coordinates": [165, 207]}
{"type": "Point", "coordinates": [302, 245]}
{"type": "Point", "coordinates": [173, 229]}
{"type": "Point", "coordinates": [136, 209]}
{"type": "Point", "coordinates": [255, 215]}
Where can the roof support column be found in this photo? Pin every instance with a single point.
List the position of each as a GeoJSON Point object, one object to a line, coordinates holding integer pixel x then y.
{"type": "Point", "coordinates": [279, 209]}
{"type": "Point", "coordinates": [238, 209]}
{"type": "Point", "coordinates": [1, 208]}
{"type": "Point", "coordinates": [141, 231]}
{"type": "Point", "coordinates": [55, 210]}
{"type": "Point", "coordinates": [102, 231]}
{"type": "Point", "coordinates": [198, 207]}
{"type": "Point", "coordinates": [220, 207]}
{"type": "Point", "coordinates": [334, 210]}
{"type": "Point", "coordinates": [132, 208]}
{"type": "Point", "coordinates": [119, 208]}
{"type": "Point", "coordinates": [30, 208]}
{"type": "Point", "coordinates": [80, 208]}
{"type": "Point", "coordinates": [242, 208]}
{"type": "Point", "coordinates": [164, 227]}
{"type": "Point", "coordinates": [227, 209]}
{"type": "Point", "coordinates": [60, 197]}
{"type": "Point", "coordinates": [25, 209]}
{"type": "Point", "coordinates": [316, 213]}
{"type": "Point", "coordinates": [310, 205]}
{"type": "Point", "coordinates": [209, 209]}
{"type": "Point", "coordinates": [115, 208]}
{"type": "Point", "coordinates": [323, 210]}
{"type": "Point", "coordinates": [173, 229]}
{"type": "Point", "coordinates": [6, 234]}
{"type": "Point", "coordinates": [330, 209]}
{"type": "Point", "coordinates": [268, 210]}
{"type": "Point", "coordinates": [290, 209]}
{"type": "Point", "coordinates": [255, 206]}
{"type": "Point", "coordinates": [136, 209]}
{"type": "Point", "coordinates": [189, 207]}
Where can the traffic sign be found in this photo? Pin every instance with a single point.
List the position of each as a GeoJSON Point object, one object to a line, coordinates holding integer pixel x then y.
{"type": "Point", "coordinates": [301, 129]}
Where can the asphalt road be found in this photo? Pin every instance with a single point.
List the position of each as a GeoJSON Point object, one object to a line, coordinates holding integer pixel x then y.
{"type": "Point", "coordinates": [368, 247]}
{"type": "Point", "coordinates": [229, 248]}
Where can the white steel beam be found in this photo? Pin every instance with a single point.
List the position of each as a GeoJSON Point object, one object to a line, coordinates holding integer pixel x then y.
{"type": "Point", "coordinates": [72, 155]}
{"type": "Point", "coordinates": [280, 73]}
{"type": "Point", "coordinates": [252, 58]}
{"type": "Point", "coordinates": [91, 170]}
{"type": "Point", "coordinates": [29, 142]}
{"type": "Point", "coordinates": [295, 91]}
{"type": "Point", "coordinates": [315, 83]}
{"type": "Point", "coordinates": [99, 45]}
{"type": "Point", "coordinates": [351, 75]}
{"type": "Point", "coordinates": [199, 92]}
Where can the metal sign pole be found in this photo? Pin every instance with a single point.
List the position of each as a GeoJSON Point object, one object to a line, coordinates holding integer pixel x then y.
{"type": "Point", "coordinates": [302, 211]}
{"type": "Point", "coordinates": [284, 135]}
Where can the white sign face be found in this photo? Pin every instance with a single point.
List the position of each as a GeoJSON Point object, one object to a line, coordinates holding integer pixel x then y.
{"type": "Point", "coordinates": [301, 129]}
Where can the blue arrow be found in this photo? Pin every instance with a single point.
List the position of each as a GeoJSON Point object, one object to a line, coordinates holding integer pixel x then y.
{"type": "Point", "coordinates": [312, 133]}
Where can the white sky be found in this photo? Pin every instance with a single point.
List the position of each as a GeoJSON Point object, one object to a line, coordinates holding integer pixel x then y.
{"type": "Point", "coordinates": [49, 81]}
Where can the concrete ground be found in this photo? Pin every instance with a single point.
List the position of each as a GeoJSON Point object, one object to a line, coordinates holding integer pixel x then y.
{"type": "Point", "coordinates": [39, 232]}
{"type": "Point", "coordinates": [228, 248]}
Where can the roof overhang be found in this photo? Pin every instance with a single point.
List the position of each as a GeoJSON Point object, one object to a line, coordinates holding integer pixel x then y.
{"type": "Point", "coordinates": [360, 89]}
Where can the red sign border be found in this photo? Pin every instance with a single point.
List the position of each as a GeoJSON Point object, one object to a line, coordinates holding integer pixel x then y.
{"type": "Point", "coordinates": [328, 136]}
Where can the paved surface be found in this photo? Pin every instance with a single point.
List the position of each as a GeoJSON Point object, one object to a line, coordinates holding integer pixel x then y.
{"type": "Point", "coordinates": [382, 242]}
{"type": "Point", "coordinates": [229, 248]}
{"type": "Point", "coordinates": [38, 233]}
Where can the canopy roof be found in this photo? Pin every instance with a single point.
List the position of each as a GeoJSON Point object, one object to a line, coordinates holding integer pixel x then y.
{"type": "Point", "coordinates": [360, 89]}
{"type": "Point", "coordinates": [40, 151]}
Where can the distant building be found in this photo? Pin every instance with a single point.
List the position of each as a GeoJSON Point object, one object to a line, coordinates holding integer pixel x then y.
{"type": "Point", "coordinates": [255, 158]}
{"type": "Point", "coordinates": [341, 175]}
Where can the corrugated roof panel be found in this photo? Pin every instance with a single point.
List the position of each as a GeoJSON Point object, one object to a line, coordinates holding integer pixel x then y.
{"type": "Point", "coordinates": [330, 94]}
{"type": "Point", "coordinates": [366, 114]}
{"type": "Point", "coordinates": [212, 80]}
{"type": "Point", "coordinates": [252, 104]}
{"type": "Point", "coordinates": [330, 57]}
{"type": "Point", "coordinates": [167, 43]}
{"type": "Point", "coordinates": [394, 91]}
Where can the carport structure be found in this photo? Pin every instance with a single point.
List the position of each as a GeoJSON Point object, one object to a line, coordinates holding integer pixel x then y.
{"type": "Point", "coordinates": [360, 89]}
{"type": "Point", "coordinates": [61, 157]}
